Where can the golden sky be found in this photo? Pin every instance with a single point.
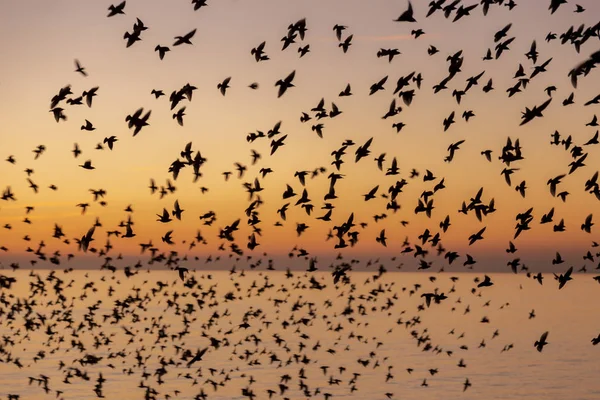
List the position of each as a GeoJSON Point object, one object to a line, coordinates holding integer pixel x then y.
{"type": "Point", "coordinates": [42, 39]}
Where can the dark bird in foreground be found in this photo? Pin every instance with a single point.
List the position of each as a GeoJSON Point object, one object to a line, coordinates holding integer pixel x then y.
{"type": "Point", "coordinates": [285, 84]}
{"type": "Point", "coordinates": [539, 344]}
{"type": "Point", "coordinates": [137, 120]}
{"type": "Point", "coordinates": [185, 39]}
{"type": "Point", "coordinates": [584, 68]}
{"type": "Point", "coordinates": [563, 279]}
{"type": "Point", "coordinates": [79, 68]}
{"type": "Point", "coordinates": [536, 111]}
{"type": "Point", "coordinates": [407, 16]}
{"type": "Point", "coordinates": [87, 165]}
{"type": "Point", "coordinates": [118, 9]}
{"type": "Point", "coordinates": [162, 50]}
{"type": "Point", "coordinates": [223, 86]}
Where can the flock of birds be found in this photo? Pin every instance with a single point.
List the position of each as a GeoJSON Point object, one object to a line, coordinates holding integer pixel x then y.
{"type": "Point", "coordinates": [57, 323]}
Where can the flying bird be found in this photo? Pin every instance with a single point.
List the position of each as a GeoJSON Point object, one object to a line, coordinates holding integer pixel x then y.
{"type": "Point", "coordinates": [223, 86]}
{"type": "Point", "coordinates": [118, 9]}
{"type": "Point", "coordinates": [539, 344]}
{"type": "Point", "coordinates": [185, 39]}
{"type": "Point", "coordinates": [285, 84]}
{"type": "Point", "coordinates": [407, 16]}
{"type": "Point", "coordinates": [162, 50]}
{"type": "Point", "coordinates": [79, 68]}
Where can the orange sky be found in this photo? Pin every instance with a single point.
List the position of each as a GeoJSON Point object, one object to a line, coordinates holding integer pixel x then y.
{"type": "Point", "coordinates": [46, 37]}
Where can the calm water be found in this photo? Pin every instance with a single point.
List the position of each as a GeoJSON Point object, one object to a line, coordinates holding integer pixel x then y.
{"type": "Point", "coordinates": [261, 327]}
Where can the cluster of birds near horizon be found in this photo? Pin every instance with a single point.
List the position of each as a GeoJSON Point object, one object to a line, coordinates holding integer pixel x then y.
{"type": "Point", "coordinates": [342, 235]}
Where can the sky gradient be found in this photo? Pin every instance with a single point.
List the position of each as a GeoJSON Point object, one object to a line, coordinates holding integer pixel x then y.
{"type": "Point", "coordinates": [46, 37]}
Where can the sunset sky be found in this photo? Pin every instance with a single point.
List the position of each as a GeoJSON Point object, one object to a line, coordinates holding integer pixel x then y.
{"type": "Point", "coordinates": [42, 39]}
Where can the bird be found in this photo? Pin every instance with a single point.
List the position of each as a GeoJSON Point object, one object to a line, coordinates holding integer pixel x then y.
{"type": "Point", "coordinates": [223, 86]}
{"type": "Point", "coordinates": [258, 52]}
{"type": "Point", "coordinates": [137, 120]}
{"type": "Point", "coordinates": [179, 115]}
{"type": "Point", "coordinates": [89, 95]}
{"type": "Point", "coordinates": [448, 121]}
{"type": "Point", "coordinates": [185, 39]}
{"type": "Point", "coordinates": [79, 68]}
{"type": "Point", "coordinates": [157, 93]}
{"type": "Point", "coordinates": [346, 92]}
{"type": "Point", "coordinates": [406, 16]}
{"type": "Point", "coordinates": [338, 29]}
{"type": "Point", "coordinates": [304, 50]}
{"type": "Point", "coordinates": [76, 150]}
{"type": "Point", "coordinates": [371, 194]}
{"type": "Point", "coordinates": [181, 271]}
{"type": "Point", "coordinates": [381, 238]}
{"type": "Point", "coordinates": [539, 344]}
{"type": "Point", "coordinates": [417, 33]}
{"type": "Point", "coordinates": [584, 68]}
{"type": "Point", "coordinates": [87, 165]}
{"type": "Point", "coordinates": [177, 211]}
{"type": "Point", "coordinates": [555, 4]}
{"type": "Point", "coordinates": [563, 279]}
{"type": "Point", "coordinates": [487, 282]}
{"type": "Point", "coordinates": [345, 45]}
{"type": "Point", "coordinates": [118, 9]}
{"type": "Point", "coordinates": [529, 114]}
{"type": "Point", "coordinates": [88, 126]}
{"type": "Point", "coordinates": [58, 114]}
{"type": "Point", "coordinates": [110, 141]}
{"type": "Point", "coordinates": [466, 385]}
{"type": "Point", "coordinates": [476, 236]}
{"type": "Point", "coordinates": [377, 86]}
{"type": "Point", "coordinates": [587, 225]}
{"type": "Point", "coordinates": [199, 4]}
{"type": "Point", "coordinates": [162, 50]}
{"type": "Point", "coordinates": [285, 84]}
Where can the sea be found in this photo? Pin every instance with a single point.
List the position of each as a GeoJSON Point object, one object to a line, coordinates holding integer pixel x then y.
{"type": "Point", "coordinates": [88, 334]}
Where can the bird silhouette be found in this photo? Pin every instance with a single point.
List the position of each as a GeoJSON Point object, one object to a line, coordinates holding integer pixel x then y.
{"type": "Point", "coordinates": [285, 84]}
{"type": "Point", "coordinates": [185, 39]}
{"type": "Point", "coordinates": [406, 16]}
{"type": "Point", "coordinates": [118, 9]}
{"type": "Point", "coordinates": [539, 344]}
